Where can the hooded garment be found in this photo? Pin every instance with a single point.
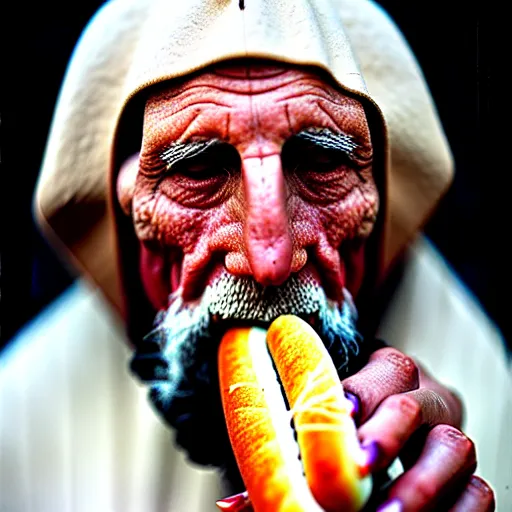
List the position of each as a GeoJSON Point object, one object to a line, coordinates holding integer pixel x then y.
{"type": "Point", "coordinates": [91, 441]}
{"type": "Point", "coordinates": [131, 45]}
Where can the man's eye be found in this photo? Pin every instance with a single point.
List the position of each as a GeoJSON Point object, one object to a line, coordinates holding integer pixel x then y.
{"type": "Point", "coordinates": [218, 162]}
{"type": "Point", "coordinates": [302, 157]}
{"type": "Point", "coordinates": [202, 171]}
{"type": "Point", "coordinates": [328, 160]}
{"type": "Point", "coordinates": [321, 161]}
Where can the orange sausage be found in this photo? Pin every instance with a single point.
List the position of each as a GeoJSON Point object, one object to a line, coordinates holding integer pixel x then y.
{"type": "Point", "coordinates": [327, 435]}
{"type": "Point", "coordinates": [259, 427]}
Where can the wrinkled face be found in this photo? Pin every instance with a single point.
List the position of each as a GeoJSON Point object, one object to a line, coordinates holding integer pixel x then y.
{"type": "Point", "coordinates": [252, 196]}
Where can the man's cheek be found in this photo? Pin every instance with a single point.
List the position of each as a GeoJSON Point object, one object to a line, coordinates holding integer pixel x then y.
{"type": "Point", "coordinates": [351, 219]}
{"type": "Point", "coordinates": [166, 232]}
{"type": "Point", "coordinates": [160, 271]}
{"type": "Point", "coordinates": [347, 226]}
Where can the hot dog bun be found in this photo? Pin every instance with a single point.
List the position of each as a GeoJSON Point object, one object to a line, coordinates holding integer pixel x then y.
{"type": "Point", "coordinates": [258, 421]}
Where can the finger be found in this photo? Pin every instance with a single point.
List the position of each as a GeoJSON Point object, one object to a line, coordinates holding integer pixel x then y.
{"type": "Point", "coordinates": [450, 397]}
{"type": "Point", "coordinates": [388, 372]}
{"type": "Point", "coordinates": [398, 418]}
{"type": "Point", "coordinates": [448, 458]}
{"type": "Point", "coordinates": [476, 497]}
{"type": "Point", "coordinates": [236, 503]}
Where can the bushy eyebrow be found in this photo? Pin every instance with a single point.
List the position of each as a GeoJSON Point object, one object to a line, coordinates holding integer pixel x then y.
{"type": "Point", "coordinates": [321, 137]}
{"type": "Point", "coordinates": [327, 139]}
{"type": "Point", "coordinates": [180, 150]}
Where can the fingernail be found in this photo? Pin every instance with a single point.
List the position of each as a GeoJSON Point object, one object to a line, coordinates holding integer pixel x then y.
{"type": "Point", "coordinates": [394, 505]}
{"type": "Point", "coordinates": [236, 503]}
{"type": "Point", "coordinates": [372, 455]}
{"type": "Point", "coordinates": [356, 406]}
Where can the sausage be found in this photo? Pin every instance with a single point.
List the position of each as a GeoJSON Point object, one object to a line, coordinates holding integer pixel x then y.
{"type": "Point", "coordinates": [331, 475]}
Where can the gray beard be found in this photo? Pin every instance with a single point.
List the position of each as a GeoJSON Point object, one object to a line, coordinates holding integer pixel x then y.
{"type": "Point", "coordinates": [178, 358]}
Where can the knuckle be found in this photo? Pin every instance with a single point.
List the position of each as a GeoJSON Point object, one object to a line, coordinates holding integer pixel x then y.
{"type": "Point", "coordinates": [404, 405]}
{"type": "Point", "coordinates": [439, 409]}
{"type": "Point", "coordinates": [404, 366]}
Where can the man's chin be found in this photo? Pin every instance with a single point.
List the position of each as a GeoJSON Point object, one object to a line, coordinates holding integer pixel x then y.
{"type": "Point", "coordinates": [178, 358]}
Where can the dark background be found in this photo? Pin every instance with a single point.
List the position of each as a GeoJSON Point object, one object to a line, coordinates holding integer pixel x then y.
{"type": "Point", "coordinates": [456, 50]}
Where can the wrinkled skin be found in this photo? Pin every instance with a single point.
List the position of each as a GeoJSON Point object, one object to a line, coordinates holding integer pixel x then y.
{"type": "Point", "coordinates": [262, 216]}
{"type": "Point", "coordinates": [265, 203]}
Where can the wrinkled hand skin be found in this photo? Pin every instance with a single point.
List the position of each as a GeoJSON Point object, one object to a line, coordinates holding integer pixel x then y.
{"type": "Point", "coordinates": [404, 412]}
{"type": "Point", "coordinates": [263, 205]}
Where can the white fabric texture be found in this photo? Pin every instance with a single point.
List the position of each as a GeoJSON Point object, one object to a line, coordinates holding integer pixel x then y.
{"type": "Point", "coordinates": [77, 433]}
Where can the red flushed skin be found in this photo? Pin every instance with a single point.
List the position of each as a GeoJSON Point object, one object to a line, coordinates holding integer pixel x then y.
{"type": "Point", "coordinates": [265, 217]}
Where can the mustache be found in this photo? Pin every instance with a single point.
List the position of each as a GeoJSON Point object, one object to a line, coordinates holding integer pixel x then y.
{"type": "Point", "coordinates": [180, 332]}
{"type": "Point", "coordinates": [178, 357]}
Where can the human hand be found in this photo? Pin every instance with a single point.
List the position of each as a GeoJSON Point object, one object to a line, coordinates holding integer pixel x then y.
{"type": "Point", "coordinates": [401, 411]}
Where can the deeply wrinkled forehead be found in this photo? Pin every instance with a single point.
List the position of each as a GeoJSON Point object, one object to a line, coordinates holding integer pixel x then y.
{"type": "Point", "coordinates": [181, 41]}
{"type": "Point", "coordinates": [256, 97]}
{"type": "Point", "coordinates": [257, 85]}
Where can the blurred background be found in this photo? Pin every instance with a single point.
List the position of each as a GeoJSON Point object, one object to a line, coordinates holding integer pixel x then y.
{"type": "Point", "coordinates": [455, 49]}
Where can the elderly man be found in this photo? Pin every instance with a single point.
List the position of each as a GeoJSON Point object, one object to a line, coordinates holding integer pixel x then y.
{"type": "Point", "coordinates": [217, 162]}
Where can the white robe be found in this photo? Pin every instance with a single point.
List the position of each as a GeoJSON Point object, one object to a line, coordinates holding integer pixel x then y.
{"type": "Point", "coordinates": [77, 433]}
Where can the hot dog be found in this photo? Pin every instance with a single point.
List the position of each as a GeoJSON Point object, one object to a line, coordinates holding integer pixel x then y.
{"type": "Point", "coordinates": [331, 476]}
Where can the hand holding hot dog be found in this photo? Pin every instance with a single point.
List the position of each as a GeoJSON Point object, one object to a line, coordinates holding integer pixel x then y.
{"type": "Point", "coordinates": [405, 412]}
{"type": "Point", "coordinates": [402, 412]}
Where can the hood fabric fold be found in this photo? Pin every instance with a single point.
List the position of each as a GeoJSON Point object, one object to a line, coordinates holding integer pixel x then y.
{"type": "Point", "coordinates": [131, 45]}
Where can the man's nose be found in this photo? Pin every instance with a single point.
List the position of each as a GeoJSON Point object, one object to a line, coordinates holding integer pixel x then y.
{"type": "Point", "coordinates": [267, 235]}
